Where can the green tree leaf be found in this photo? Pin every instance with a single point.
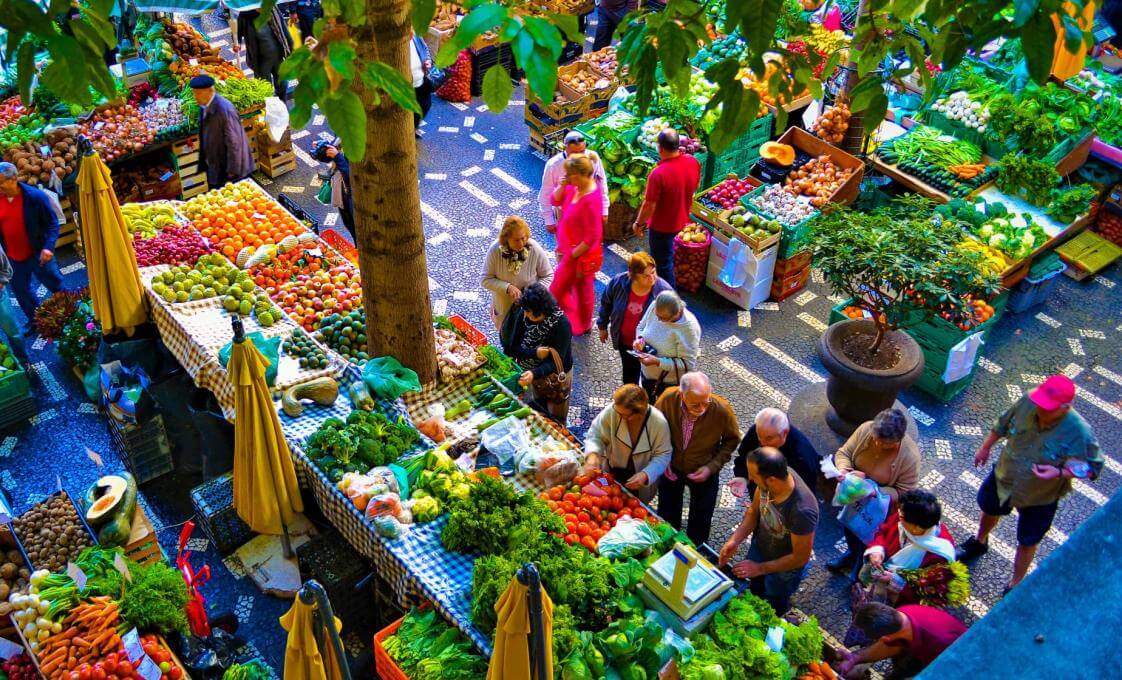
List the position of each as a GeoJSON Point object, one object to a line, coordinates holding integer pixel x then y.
{"type": "Point", "coordinates": [264, 13]}
{"type": "Point", "coordinates": [382, 77]}
{"type": "Point", "coordinates": [906, 9]}
{"type": "Point", "coordinates": [347, 118]}
{"type": "Point", "coordinates": [545, 35]}
{"type": "Point", "coordinates": [1024, 9]}
{"type": "Point", "coordinates": [293, 67]}
{"type": "Point", "coordinates": [28, 15]}
{"type": "Point", "coordinates": [341, 55]}
{"type": "Point", "coordinates": [484, 17]}
{"type": "Point", "coordinates": [876, 111]}
{"type": "Point", "coordinates": [25, 69]}
{"type": "Point", "coordinates": [423, 12]}
{"type": "Point", "coordinates": [1038, 41]}
{"type": "Point", "coordinates": [568, 25]}
{"type": "Point", "coordinates": [497, 88]}
{"type": "Point", "coordinates": [869, 59]}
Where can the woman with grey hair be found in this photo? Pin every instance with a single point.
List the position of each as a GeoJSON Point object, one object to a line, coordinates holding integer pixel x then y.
{"type": "Point", "coordinates": [882, 451]}
{"type": "Point", "coordinates": [668, 342]}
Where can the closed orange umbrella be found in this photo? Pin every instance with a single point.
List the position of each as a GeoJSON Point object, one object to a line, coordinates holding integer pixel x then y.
{"type": "Point", "coordinates": [115, 288]}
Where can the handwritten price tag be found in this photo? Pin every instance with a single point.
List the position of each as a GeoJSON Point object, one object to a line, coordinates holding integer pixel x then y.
{"type": "Point", "coordinates": [148, 669]}
{"type": "Point", "coordinates": [9, 649]}
{"type": "Point", "coordinates": [119, 563]}
{"type": "Point", "coordinates": [194, 62]}
{"type": "Point", "coordinates": [45, 150]}
{"type": "Point", "coordinates": [166, 176]}
{"type": "Point", "coordinates": [76, 573]}
{"type": "Point", "coordinates": [133, 648]}
{"type": "Point", "coordinates": [99, 124]}
{"type": "Point", "coordinates": [94, 457]}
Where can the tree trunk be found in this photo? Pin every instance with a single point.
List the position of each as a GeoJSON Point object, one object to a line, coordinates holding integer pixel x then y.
{"type": "Point", "coordinates": [387, 198]}
{"type": "Point", "coordinates": [855, 134]}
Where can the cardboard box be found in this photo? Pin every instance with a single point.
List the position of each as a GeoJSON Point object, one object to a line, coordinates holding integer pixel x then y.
{"type": "Point", "coordinates": [758, 269]}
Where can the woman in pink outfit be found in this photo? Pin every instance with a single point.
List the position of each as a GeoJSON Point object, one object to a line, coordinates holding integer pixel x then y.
{"type": "Point", "coordinates": [580, 233]}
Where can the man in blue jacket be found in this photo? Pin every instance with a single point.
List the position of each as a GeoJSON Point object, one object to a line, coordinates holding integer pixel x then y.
{"type": "Point", "coordinates": [224, 151]}
{"type": "Point", "coordinates": [28, 231]}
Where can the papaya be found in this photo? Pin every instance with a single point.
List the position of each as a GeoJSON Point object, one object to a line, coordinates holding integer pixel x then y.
{"type": "Point", "coordinates": [119, 528]}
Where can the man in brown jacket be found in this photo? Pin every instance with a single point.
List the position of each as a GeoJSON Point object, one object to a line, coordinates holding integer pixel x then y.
{"type": "Point", "coordinates": [704, 432]}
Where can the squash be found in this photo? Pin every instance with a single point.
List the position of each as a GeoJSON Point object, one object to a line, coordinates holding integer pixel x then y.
{"type": "Point", "coordinates": [119, 528]}
{"type": "Point", "coordinates": [780, 154]}
{"type": "Point", "coordinates": [323, 391]}
{"type": "Point", "coordinates": [103, 498]}
{"type": "Point", "coordinates": [243, 257]}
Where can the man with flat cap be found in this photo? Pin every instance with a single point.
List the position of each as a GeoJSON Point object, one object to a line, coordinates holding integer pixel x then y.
{"type": "Point", "coordinates": [554, 175]}
{"type": "Point", "coordinates": [224, 152]}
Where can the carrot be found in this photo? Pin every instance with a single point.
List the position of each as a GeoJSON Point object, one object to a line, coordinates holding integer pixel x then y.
{"type": "Point", "coordinates": [103, 636]}
{"type": "Point", "coordinates": [82, 643]}
{"type": "Point", "coordinates": [813, 667]}
{"type": "Point", "coordinates": [828, 672]}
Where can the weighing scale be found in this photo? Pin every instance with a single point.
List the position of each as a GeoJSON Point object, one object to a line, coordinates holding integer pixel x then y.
{"type": "Point", "coordinates": [686, 588]}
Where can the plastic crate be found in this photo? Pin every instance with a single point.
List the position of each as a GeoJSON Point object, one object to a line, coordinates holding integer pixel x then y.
{"type": "Point", "coordinates": [793, 236]}
{"type": "Point", "coordinates": [939, 334]}
{"type": "Point", "coordinates": [741, 155]}
{"type": "Point", "coordinates": [144, 447]}
{"type": "Point", "coordinates": [14, 384]}
{"type": "Point", "coordinates": [932, 384]}
{"type": "Point", "coordinates": [16, 410]}
{"type": "Point", "coordinates": [385, 666]}
{"type": "Point", "coordinates": [484, 58]}
{"type": "Point", "coordinates": [331, 561]}
{"type": "Point", "coordinates": [214, 506]}
{"type": "Point", "coordinates": [954, 128]}
{"type": "Point", "coordinates": [1034, 289]}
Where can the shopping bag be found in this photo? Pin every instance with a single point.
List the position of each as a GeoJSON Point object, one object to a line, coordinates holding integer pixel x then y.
{"type": "Point", "coordinates": [865, 515]}
{"type": "Point", "coordinates": [269, 347]}
{"type": "Point", "coordinates": [506, 439]}
{"type": "Point", "coordinates": [276, 118]}
{"type": "Point", "coordinates": [960, 360]}
{"type": "Point", "coordinates": [324, 195]}
{"type": "Point", "coordinates": [386, 377]}
{"type": "Point", "coordinates": [735, 272]}
{"type": "Point", "coordinates": [124, 392]}
{"type": "Point", "coordinates": [627, 538]}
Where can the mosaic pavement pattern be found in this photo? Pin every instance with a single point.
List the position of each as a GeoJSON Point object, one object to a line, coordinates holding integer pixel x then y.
{"type": "Point", "coordinates": [476, 168]}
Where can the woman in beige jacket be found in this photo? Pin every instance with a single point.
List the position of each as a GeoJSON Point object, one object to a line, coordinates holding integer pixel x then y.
{"type": "Point", "coordinates": [631, 439]}
{"type": "Point", "coordinates": [514, 263]}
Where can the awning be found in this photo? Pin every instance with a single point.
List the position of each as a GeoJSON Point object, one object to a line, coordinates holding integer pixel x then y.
{"type": "Point", "coordinates": [177, 6]}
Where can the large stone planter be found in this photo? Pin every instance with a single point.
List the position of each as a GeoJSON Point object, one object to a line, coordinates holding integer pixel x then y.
{"type": "Point", "coordinates": [855, 393]}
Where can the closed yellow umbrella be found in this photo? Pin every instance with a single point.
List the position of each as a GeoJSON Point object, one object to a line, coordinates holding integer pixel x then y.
{"type": "Point", "coordinates": [511, 656]}
{"type": "Point", "coordinates": [266, 493]}
{"type": "Point", "coordinates": [115, 289]}
{"type": "Point", "coordinates": [302, 657]}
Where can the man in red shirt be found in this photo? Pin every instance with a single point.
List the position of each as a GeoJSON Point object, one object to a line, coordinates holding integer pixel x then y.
{"type": "Point", "coordinates": [912, 636]}
{"type": "Point", "coordinates": [28, 231]}
{"type": "Point", "coordinates": [666, 205]}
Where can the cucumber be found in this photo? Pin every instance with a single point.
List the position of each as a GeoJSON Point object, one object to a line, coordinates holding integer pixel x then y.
{"type": "Point", "coordinates": [486, 424]}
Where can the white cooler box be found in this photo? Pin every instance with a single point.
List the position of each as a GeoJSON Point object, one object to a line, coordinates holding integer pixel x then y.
{"type": "Point", "coordinates": [758, 268]}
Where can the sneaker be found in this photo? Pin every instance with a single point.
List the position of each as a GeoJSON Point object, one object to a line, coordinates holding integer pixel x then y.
{"type": "Point", "coordinates": [971, 549]}
{"type": "Point", "coordinates": [842, 564]}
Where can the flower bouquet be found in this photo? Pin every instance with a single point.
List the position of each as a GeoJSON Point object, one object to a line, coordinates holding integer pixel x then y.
{"type": "Point", "coordinates": [940, 585]}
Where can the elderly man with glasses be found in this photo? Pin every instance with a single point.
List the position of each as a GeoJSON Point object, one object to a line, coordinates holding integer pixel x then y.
{"type": "Point", "coordinates": [773, 429]}
{"type": "Point", "coordinates": [554, 175]}
{"type": "Point", "coordinates": [704, 433]}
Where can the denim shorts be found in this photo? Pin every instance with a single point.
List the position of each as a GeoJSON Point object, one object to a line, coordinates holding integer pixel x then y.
{"type": "Point", "coordinates": [1033, 522]}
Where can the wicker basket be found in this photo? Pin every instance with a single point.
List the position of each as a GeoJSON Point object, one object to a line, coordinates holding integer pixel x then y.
{"type": "Point", "coordinates": [617, 227]}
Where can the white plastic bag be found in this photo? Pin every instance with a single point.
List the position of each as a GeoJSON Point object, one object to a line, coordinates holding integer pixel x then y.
{"type": "Point", "coordinates": [628, 537]}
{"type": "Point", "coordinates": [507, 439]}
{"type": "Point", "coordinates": [276, 118]}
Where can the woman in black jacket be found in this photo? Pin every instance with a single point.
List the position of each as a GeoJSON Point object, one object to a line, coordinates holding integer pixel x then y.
{"type": "Point", "coordinates": [534, 329]}
{"type": "Point", "coordinates": [266, 46]}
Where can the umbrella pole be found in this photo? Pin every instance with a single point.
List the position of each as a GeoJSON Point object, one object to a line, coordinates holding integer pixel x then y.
{"type": "Point", "coordinates": [529, 577]}
{"type": "Point", "coordinates": [286, 542]}
{"type": "Point", "coordinates": [311, 592]}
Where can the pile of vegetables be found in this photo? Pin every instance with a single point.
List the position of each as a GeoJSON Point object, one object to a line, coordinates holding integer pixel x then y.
{"type": "Point", "coordinates": [940, 585]}
{"type": "Point", "coordinates": [1037, 118]}
{"type": "Point", "coordinates": [603, 60]}
{"type": "Point", "coordinates": [498, 364]}
{"type": "Point", "coordinates": [591, 506]}
{"type": "Point", "coordinates": [819, 179]}
{"type": "Point", "coordinates": [19, 667]}
{"type": "Point", "coordinates": [831, 126]}
{"type": "Point", "coordinates": [117, 132]}
{"type": "Point", "coordinates": [254, 670]}
{"type": "Point", "coordinates": [37, 169]}
{"type": "Point", "coordinates": [951, 165]}
{"type": "Point", "coordinates": [726, 195]}
{"type": "Point", "coordinates": [961, 106]}
{"type": "Point", "coordinates": [1016, 236]}
{"type": "Point", "coordinates": [455, 357]}
{"type": "Point", "coordinates": [364, 441]}
{"type": "Point", "coordinates": [345, 333]}
{"type": "Point", "coordinates": [1027, 178]}
{"type": "Point", "coordinates": [1068, 204]}
{"type": "Point", "coordinates": [424, 646]}
{"type": "Point", "coordinates": [52, 533]}
{"type": "Point", "coordinates": [300, 345]}
{"type": "Point", "coordinates": [15, 576]}
{"type": "Point", "coordinates": [781, 205]}
{"type": "Point", "coordinates": [244, 93]}
{"type": "Point", "coordinates": [733, 645]}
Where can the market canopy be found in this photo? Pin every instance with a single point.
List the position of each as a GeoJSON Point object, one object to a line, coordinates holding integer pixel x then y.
{"type": "Point", "coordinates": [196, 6]}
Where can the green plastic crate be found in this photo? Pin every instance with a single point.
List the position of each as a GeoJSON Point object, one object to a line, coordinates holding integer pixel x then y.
{"type": "Point", "coordinates": [932, 384]}
{"type": "Point", "coordinates": [939, 334]}
{"type": "Point", "coordinates": [836, 314]}
{"type": "Point", "coordinates": [954, 128]}
{"type": "Point", "coordinates": [742, 154]}
{"type": "Point", "coordinates": [14, 384]}
{"type": "Point", "coordinates": [793, 237]}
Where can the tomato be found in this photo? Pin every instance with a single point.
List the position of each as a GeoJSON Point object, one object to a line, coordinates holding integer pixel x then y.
{"type": "Point", "coordinates": [582, 529]}
{"type": "Point", "coordinates": [633, 502]}
{"type": "Point", "coordinates": [84, 672]}
{"type": "Point", "coordinates": [582, 516]}
{"type": "Point", "coordinates": [98, 672]}
{"type": "Point", "coordinates": [572, 497]}
{"type": "Point", "coordinates": [582, 479]}
{"type": "Point", "coordinates": [124, 668]}
{"type": "Point", "coordinates": [552, 505]}
{"type": "Point", "coordinates": [544, 495]}
{"type": "Point", "coordinates": [570, 518]}
{"type": "Point", "coordinates": [556, 493]}
{"type": "Point", "coordinates": [612, 517]}
{"type": "Point", "coordinates": [175, 673]}
{"type": "Point", "coordinates": [110, 663]}
{"type": "Point", "coordinates": [570, 527]}
{"type": "Point", "coordinates": [596, 536]}
{"type": "Point", "coordinates": [73, 676]}
{"type": "Point", "coordinates": [640, 513]}
{"type": "Point", "coordinates": [605, 527]}
{"type": "Point", "coordinates": [567, 507]}
{"type": "Point", "coordinates": [626, 512]}
{"type": "Point", "coordinates": [589, 543]}
{"type": "Point", "coordinates": [571, 539]}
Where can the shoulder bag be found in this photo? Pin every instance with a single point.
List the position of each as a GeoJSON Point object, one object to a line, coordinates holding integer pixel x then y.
{"type": "Point", "coordinates": [555, 387]}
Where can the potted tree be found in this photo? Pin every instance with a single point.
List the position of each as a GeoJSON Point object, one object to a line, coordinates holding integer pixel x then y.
{"type": "Point", "coordinates": [899, 265]}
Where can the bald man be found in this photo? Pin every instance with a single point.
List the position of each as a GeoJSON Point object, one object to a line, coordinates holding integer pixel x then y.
{"type": "Point", "coordinates": [773, 428]}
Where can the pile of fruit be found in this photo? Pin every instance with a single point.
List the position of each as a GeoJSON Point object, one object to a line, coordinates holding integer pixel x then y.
{"type": "Point", "coordinates": [993, 262]}
{"type": "Point", "coordinates": [763, 88]}
{"type": "Point", "coordinates": [753, 226]}
{"type": "Point", "coordinates": [591, 506]}
{"type": "Point", "coordinates": [289, 260]}
{"type": "Point", "coordinates": [118, 131]}
{"type": "Point", "coordinates": [832, 125]}
{"type": "Point", "coordinates": [11, 111]}
{"type": "Point", "coordinates": [148, 219]}
{"type": "Point", "coordinates": [584, 80]}
{"type": "Point", "coordinates": [184, 71]}
{"type": "Point", "coordinates": [799, 47]}
{"type": "Point", "coordinates": [960, 107]}
{"type": "Point", "coordinates": [240, 216]}
{"type": "Point", "coordinates": [312, 296]}
{"type": "Point", "coordinates": [726, 195]}
{"type": "Point", "coordinates": [166, 117]}
{"type": "Point", "coordinates": [186, 41]}
{"type": "Point", "coordinates": [729, 47]}
{"type": "Point", "coordinates": [782, 205]}
{"type": "Point", "coordinates": [693, 233]}
{"type": "Point", "coordinates": [175, 244]}
{"type": "Point", "coordinates": [1110, 225]}
{"type": "Point", "coordinates": [604, 60]}
{"type": "Point", "coordinates": [8, 362]}
{"type": "Point", "coordinates": [25, 130]}
{"type": "Point", "coordinates": [346, 334]}
{"type": "Point", "coordinates": [825, 40]}
{"type": "Point", "coordinates": [211, 276]}
{"type": "Point", "coordinates": [300, 345]}
{"type": "Point", "coordinates": [34, 168]}
{"type": "Point", "coordinates": [855, 312]}
{"type": "Point", "coordinates": [19, 667]}
{"type": "Point", "coordinates": [819, 179]}
{"type": "Point", "coordinates": [457, 86]}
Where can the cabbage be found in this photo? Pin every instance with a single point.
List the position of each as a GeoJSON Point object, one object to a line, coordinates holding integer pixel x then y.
{"type": "Point", "coordinates": [997, 240]}
{"type": "Point", "coordinates": [985, 231]}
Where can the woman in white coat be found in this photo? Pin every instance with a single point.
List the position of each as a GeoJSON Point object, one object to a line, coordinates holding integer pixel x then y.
{"type": "Point", "coordinates": [631, 439]}
{"type": "Point", "coordinates": [668, 340]}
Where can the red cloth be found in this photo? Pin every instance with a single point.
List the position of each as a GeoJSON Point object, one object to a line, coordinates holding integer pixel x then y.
{"type": "Point", "coordinates": [16, 243]}
{"type": "Point", "coordinates": [575, 293]}
{"type": "Point", "coordinates": [636, 305]}
{"type": "Point", "coordinates": [573, 280]}
{"type": "Point", "coordinates": [581, 222]}
{"type": "Point", "coordinates": [888, 538]}
{"type": "Point", "coordinates": [933, 630]}
{"type": "Point", "coordinates": [671, 187]}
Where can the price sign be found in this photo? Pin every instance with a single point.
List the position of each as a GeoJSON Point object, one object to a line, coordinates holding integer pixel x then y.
{"type": "Point", "coordinates": [99, 124]}
{"type": "Point", "coordinates": [76, 573]}
{"type": "Point", "coordinates": [9, 649]}
{"type": "Point", "coordinates": [96, 459]}
{"type": "Point", "coordinates": [131, 643]}
{"type": "Point", "coordinates": [258, 216]}
{"type": "Point", "coordinates": [193, 62]}
{"type": "Point", "coordinates": [5, 512]}
{"type": "Point", "coordinates": [58, 480]}
{"type": "Point", "coordinates": [148, 669]}
{"type": "Point", "coordinates": [166, 176]}
{"type": "Point", "coordinates": [119, 562]}
{"type": "Point", "coordinates": [45, 150]}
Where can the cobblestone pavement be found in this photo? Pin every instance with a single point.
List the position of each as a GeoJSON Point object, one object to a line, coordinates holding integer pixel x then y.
{"type": "Point", "coordinates": [475, 168]}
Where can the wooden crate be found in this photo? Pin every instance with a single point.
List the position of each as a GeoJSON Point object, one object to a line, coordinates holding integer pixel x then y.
{"type": "Point", "coordinates": [143, 547]}
{"type": "Point", "coordinates": [276, 164]}
{"type": "Point", "coordinates": [266, 145]}
{"type": "Point", "coordinates": [804, 141]}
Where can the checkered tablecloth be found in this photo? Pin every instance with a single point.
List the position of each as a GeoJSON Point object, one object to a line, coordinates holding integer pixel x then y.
{"type": "Point", "coordinates": [194, 332]}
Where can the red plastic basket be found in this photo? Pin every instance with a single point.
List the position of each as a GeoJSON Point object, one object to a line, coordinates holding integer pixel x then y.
{"type": "Point", "coordinates": [470, 332]}
{"type": "Point", "coordinates": [387, 668]}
